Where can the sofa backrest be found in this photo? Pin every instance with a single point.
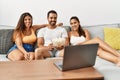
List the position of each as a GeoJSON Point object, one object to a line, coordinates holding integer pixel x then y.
{"type": "Point", "coordinates": [98, 30]}
{"type": "Point", "coordinates": [6, 34]}
{"type": "Point", "coordinates": [5, 40]}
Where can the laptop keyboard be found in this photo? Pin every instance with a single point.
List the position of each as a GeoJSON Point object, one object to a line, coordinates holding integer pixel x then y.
{"type": "Point", "coordinates": [61, 66]}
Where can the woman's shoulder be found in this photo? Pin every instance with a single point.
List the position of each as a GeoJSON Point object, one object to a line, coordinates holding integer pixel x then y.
{"type": "Point", "coordinates": [86, 31]}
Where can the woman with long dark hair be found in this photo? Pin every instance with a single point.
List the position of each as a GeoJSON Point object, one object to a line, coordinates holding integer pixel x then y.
{"type": "Point", "coordinates": [78, 36]}
{"type": "Point", "coordinates": [24, 38]}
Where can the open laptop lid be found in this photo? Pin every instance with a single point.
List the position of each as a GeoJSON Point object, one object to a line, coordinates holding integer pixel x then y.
{"type": "Point", "coordinates": [79, 56]}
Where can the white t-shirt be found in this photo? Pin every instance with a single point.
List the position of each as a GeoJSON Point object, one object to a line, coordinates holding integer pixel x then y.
{"type": "Point", "coordinates": [49, 34]}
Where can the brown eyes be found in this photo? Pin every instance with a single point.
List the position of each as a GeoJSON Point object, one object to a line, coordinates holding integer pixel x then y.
{"type": "Point", "coordinates": [73, 23]}
{"type": "Point", "coordinates": [53, 18]}
{"type": "Point", "coordinates": [27, 19]}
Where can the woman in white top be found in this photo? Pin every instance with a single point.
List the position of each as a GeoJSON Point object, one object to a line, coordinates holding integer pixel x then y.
{"type": "Point", "coordinates": [77, 36]}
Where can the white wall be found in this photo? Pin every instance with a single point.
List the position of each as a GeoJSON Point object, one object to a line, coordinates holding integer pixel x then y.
{"type": "Point", "coordinates": [90, 12]}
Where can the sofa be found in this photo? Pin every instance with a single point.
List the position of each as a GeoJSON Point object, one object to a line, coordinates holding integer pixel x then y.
{"type": "Point", "coordinates": [109, 70]}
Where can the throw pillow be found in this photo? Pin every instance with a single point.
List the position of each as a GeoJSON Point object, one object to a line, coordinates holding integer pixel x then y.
{"type": "Point", "coordinates": [112, 37]}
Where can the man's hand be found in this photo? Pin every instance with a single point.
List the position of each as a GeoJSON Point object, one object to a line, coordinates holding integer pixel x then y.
{"type": "Point", "coordinates": [60, 24]}
{"type": "Point", "coordinates": [59, 47]}
{"type": "Point", "coordinates": [50, 47]}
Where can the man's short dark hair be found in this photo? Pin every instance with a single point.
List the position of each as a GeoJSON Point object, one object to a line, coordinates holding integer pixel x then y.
{"type": "Point", "coordinates": [51, 11]}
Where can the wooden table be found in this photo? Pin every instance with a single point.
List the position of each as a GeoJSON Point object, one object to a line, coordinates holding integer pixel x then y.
{"type": "Point", "coordinates": [43, 69]}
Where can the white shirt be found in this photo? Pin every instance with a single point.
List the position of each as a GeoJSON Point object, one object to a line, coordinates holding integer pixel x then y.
{"type": "Point", "coordinates": [50, 34]}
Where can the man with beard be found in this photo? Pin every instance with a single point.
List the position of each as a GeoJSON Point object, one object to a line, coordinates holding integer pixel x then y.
{"type": "Point", "coordinates": [46, 35]}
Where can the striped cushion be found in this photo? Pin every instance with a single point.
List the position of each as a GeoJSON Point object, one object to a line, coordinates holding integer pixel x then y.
{"type": "Point", "coordinates": [5, 40]}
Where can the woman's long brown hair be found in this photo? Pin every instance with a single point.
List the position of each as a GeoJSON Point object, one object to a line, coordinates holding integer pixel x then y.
{"type": "Point", "coordinates": [20, 26]}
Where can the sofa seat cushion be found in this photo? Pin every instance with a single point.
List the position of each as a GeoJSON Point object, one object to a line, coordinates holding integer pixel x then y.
{"type": "Point", "coordinates": [109, 70]}
{"type": "Point", "coordinates": [5, 40]}
{"type": "Point", "coordinates": [3, 57]}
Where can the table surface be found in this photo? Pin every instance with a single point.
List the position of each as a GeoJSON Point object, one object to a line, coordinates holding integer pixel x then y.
{"type": "Point", "coordinates": [44, 69]}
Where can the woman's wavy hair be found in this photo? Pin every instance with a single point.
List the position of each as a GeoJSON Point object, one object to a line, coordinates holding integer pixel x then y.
{"type": "Point", "coordinates": [21, 25]}
{"type": "Point", "coordinates": [80, 30]}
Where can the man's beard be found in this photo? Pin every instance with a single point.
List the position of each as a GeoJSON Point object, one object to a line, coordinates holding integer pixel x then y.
{"type": "Point", "coordinates": [53, 23]}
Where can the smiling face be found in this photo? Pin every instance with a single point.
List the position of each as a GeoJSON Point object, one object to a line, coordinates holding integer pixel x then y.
{"type": "Point", "coordinates": [52, 19]}
{"type": "Point", "coordinates": [74, 24]}
{"type": "Point", "coordinates": [28, 21]}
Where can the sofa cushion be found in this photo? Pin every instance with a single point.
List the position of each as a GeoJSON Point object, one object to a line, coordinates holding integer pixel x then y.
{"type": "Point", "coordinates": [112, 37]}
{"type": "Point", "coordinates": [3, 57]}
{"type": "Point", "coordinates": [5, 40]}
{"type": "Point", "coordinates": [98, 30]}
{"type": "Point", "coordinates": [109, 70]}
{"type": "Point", "coordinates": [67, 28]}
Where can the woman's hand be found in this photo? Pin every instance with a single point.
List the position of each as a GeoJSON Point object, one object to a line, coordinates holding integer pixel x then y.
{"type": "Point", "coordinates": [27, 56]}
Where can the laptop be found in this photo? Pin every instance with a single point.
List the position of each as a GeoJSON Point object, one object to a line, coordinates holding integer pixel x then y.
{"type": "Point", "coordinates": [78, 56]}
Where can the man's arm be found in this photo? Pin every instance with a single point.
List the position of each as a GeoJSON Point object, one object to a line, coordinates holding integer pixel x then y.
{"type": "Point", "coordinates": [36, 27]}
{"type": "Point", "coordinates": [40, 44]}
